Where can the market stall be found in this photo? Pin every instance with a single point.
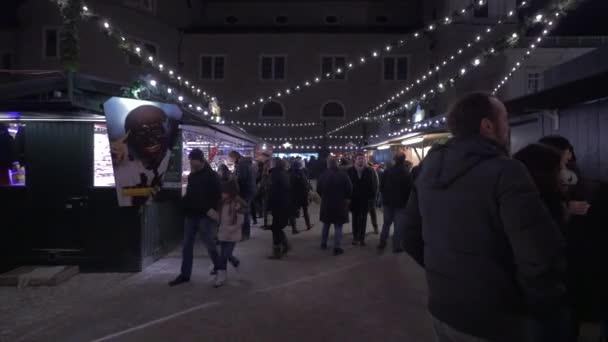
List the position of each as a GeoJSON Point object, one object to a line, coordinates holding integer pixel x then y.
{"type": "Point", "coordinates": [65, 204]}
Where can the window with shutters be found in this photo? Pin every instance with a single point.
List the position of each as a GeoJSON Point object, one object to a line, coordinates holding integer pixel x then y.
{"type": "Point", "coordinates": [144, 5]}
{"type": "Point", "coordinates": [50, 42]}
{"type": "Point", "coordinates": [213, 67]}
{"type": "Point", "coordinates": [395, 68]}
{"type": "Point", "coordinates": [273, 67]}
{"type": "Point", "coordinates": [331, 65]}
{"type": "Point", "coordinates": [533, 82]}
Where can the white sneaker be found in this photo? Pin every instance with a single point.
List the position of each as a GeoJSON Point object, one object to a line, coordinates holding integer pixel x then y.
{"type": "Point", "coordinates": [220, 279]}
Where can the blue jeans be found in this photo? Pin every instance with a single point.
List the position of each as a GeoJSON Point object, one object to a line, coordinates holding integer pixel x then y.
{"type": "Point", "coordinates": [337, 234]}
{"type": "Point", "coordinates": [396, 216]}
{"type": "Point", "coordinates": [192, 225]}
{"type": "Point", "coordinates": [226, 249]}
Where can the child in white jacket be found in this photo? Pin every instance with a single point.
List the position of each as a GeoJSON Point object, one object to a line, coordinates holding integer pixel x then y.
{"type": "Point", "coordinates": [230, 217]}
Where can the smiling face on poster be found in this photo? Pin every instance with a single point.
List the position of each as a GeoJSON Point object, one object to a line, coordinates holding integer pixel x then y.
{"type": "Point", "coordinates": [141, 135]}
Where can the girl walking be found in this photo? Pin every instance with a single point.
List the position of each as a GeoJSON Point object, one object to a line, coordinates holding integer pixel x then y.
{"type": "Point", "coordinates": [230, 217]}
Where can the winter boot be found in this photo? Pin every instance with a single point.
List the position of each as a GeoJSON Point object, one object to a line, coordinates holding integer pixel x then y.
{"type": "Point", "coordinates": [286, 247]}
{"type": "Point", "coordinates": [220, 279]}
{"type": "Point", "coordinates": [277, 253]}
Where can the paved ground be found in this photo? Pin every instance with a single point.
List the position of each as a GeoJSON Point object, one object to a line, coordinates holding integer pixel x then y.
{"type": "Point", "coordinates": [310, 296]}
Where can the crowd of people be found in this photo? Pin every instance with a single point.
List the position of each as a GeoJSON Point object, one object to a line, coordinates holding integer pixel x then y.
{"type": "Point", "coordinates": [509, 244]}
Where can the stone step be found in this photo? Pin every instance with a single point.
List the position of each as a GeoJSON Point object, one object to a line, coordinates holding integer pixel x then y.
{"type": "Point", "coordinates": [38, 276]}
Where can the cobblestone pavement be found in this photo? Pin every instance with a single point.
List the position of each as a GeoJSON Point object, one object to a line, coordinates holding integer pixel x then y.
{"type": "Point", "coordinates": [309, 296]}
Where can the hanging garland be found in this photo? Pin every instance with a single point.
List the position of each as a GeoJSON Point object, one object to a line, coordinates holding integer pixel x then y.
{"type": "Point", "coordinates": [68, 36]}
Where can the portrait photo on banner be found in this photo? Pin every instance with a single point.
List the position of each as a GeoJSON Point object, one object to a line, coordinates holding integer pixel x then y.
{"type": "Point", "coordinates": [141, 135]}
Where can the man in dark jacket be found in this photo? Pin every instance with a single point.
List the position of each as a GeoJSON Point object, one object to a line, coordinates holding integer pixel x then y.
{"type": "Point", "coordinates": [395, 186]}
{"type": "Point", "coordinates": [202, 194]}
{"type": "Point", "coordinates": [476, 223]}
{"type": "Point", "coordinates": [279, 203]}
{"type": "Point", "coordinates": [335, 189]}
{"type": "Point", "coordinates": [364, 191]}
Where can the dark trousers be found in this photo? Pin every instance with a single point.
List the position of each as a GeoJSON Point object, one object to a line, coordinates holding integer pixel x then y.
{"type": "Point", "coordinates": [359, 224]}
{"type": "Point", "coordinates": [372, 214]}
{"type": "Point", "coordinates": [226, 250]}
{"type": "Point", "coordinates": [278, 235]}
{"type": "Point", "coordinates": [193, 225]}
{"type": "Point", "coordinates": [293, 219]}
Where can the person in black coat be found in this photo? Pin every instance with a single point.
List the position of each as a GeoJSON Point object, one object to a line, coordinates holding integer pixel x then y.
{"type": "Point", "coordinates": [373, 215]}
{"type": "Point", "coordinates": [279, 203]}
{"type": "Point", "coordinates": [300, 188]}
{"type": "Point", "coordinates": [395, 187]}
{"type": "Point", "coordinates": [335, 189]}
{"type": "Point", "coordinates": [202, 194]}
{"type": "Point", "coordinates": [494, 258]}
{"type": "Point", "coordinates": [362, 178]}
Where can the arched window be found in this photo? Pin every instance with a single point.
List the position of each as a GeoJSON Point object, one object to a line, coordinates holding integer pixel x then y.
{"type": "Point", "coordinates": [333, 110]}
{"type": "Point", "coordinates": [273, 109]}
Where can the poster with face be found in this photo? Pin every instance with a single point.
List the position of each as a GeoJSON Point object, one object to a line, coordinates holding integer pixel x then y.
{"type": "Point", "coordinates": [141, 135]}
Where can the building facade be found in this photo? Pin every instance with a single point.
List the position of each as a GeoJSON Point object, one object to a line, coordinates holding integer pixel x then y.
{"type": "Point", "coordinates": [243, 51]}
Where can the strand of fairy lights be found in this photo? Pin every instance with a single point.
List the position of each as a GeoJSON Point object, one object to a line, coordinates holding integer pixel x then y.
{"type": "Point", "coordinates": [266, 124]}
{"type": "Point", "coordinates": [539, 18]}
{"type": "Point", "coordinates": [528, 53]}
{"type": "Point", "coordinates": [315, 147]}
{"type": "Point", "coordinates": [362, 60]}
{"type": "Point", "coordinates": [179, 82]}
{"type": "Point", "coordinates": [426, 76]}
{"type": "Point", "coordinates": [317, 137]}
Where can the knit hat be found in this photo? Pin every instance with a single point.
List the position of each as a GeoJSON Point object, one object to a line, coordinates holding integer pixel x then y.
{"type": "Point", "coordinates": [197, 154]}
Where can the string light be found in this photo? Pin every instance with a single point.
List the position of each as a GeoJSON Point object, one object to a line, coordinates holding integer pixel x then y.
{"type": "Point", "coordinates": [519, 63]}
{"type": "Point", "coordinates": [318, 137]}
{"type": "Point", "coordinates": [440, 87]}
{"type": "Point", "coordinates": [375, 53]}
{"type": "Point", "coordinates": [419, 81]}
{"type": "Point", "coordinates": [132, 48]}
{"type": "Point", "coordinates": [265, 124]}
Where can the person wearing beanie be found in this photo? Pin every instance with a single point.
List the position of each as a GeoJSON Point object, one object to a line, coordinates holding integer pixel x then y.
{"type": "Point", "coordinates": [202, 195]}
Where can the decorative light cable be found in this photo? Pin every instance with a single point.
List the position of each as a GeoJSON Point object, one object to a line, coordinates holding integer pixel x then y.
{"type": "Point", "coordinates": [528, 53]}
{"type": "Point", "coordinates": [318, 137]}
{"type": "Point", "coordinates": [315, 147]}
{"type": "Point", "coordinates": [179, 86]}
{"type": "Point", "coordinates": [549, 24]}
{"type": "Point", "coordinates": [267, 124]}
{"type": "Point", "coordinates": [372, 54]}
{"type": "Point", "coordinates": [426, 76]}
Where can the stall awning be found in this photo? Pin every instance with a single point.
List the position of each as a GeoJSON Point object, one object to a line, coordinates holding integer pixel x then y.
{"type": "Point", "coordinates": [410, 139]}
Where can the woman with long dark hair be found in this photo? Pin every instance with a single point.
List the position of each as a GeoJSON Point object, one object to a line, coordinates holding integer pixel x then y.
{"type": "Point", "coordinates": [544, 165]}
